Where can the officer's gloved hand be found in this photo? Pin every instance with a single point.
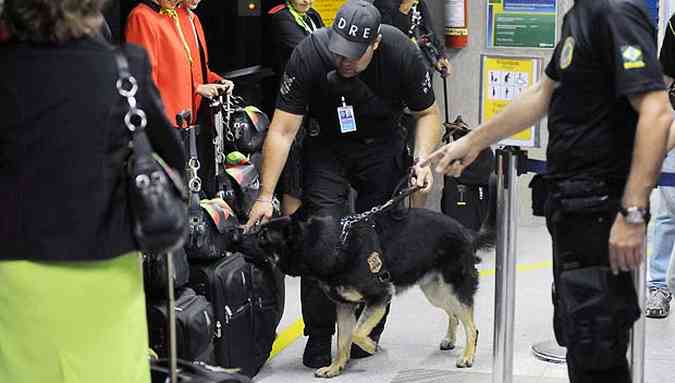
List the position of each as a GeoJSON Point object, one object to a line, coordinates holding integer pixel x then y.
{"type": "Point", "coordinates": [353, 89]}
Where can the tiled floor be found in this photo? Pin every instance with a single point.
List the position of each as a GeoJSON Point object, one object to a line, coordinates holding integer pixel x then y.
{"type": "Point", "coordinates": [409, 344]}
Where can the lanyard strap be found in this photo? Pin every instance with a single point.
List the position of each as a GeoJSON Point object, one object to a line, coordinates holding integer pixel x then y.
{"type": "Point", "coordinates": [299, 19]}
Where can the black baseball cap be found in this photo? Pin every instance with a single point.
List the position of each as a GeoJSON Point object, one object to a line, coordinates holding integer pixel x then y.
{"type": "Point", "coordinates": [356, 26]}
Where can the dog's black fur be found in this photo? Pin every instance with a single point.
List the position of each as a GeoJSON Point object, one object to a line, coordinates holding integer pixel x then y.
{"type": "Point", "coordinates": [416, 246]}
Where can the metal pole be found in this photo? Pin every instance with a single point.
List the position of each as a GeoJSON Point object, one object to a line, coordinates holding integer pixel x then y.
{"type": "Point", "coordinates": [637, 344]}
{"type": "Point", "coordinates": [171, 307]}
{"type": "Point", "coordinates": [505, 281]}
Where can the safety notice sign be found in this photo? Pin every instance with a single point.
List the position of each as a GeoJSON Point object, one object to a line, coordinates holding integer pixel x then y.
{"type": "Point", "coordinates": [503, 78]}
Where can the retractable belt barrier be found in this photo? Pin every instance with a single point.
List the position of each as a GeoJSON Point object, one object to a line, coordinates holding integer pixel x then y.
{"type": "Point", "coordinates": [512, 162]}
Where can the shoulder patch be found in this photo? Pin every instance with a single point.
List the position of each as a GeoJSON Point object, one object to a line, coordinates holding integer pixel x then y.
{"type": "Point", "coordinates": [276, 9]}
{"type": "Point", "coordinates": [567, 53]}
{"type": "Point", "coordinates": [632, 57]}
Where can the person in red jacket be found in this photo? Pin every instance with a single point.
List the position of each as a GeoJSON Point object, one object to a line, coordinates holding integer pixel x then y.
{"type": "Point", "coordinates": [153, 24]}
{"type": "Point", "coordinates": [206, 83]}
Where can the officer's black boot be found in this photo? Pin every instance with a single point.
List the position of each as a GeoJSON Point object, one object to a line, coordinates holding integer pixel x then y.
{"type": "Point", "coordinates": [317, 351]}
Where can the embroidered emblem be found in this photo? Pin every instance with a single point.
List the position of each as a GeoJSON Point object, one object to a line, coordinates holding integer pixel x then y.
{"type": "Point", "coordinates": [632, 57]}
{"type": "Point", "coordinates": [426, 83]}
{"type": "Point", "coordinates": [374, 263]}
{"type": "Point", "coordinates": [567, 53]}
{"type": "Point", "coordinates": [287, 84]}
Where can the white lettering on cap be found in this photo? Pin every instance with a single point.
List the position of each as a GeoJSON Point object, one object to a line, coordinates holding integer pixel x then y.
{"type": "Point", "coordinates": [353, 29]}
{"type": "Point", "coordinates": [342, 23]}
{"type": "Point", "coordinates": [366, 33]}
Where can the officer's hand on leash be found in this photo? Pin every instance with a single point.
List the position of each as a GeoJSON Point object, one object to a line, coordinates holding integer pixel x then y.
{"type": "Point", "coordinates": [453, 157]}
{"type": "Point", "coordinates": [625, 245]}
{"type": "Point", "coordinates": [422, 177]}
{"type": "Point", "coordinates": [261, 212]}
{"type": "Point", "coordinates": [444, 67]}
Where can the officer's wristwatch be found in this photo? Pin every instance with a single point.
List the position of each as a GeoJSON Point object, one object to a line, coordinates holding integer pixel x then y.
{"type": "Point", "coordinates": [635, 215]}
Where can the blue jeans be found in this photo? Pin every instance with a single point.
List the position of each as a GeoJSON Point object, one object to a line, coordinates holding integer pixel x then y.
{"type": "Point", "coordinates": [664, 231]}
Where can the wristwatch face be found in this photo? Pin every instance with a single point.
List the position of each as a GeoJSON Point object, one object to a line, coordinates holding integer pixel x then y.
{"type": "Point", "coordinates": [634, 215]}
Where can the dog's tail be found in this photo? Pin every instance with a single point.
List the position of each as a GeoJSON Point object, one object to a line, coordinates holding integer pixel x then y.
{"type": "Point", "coordinates": [487, 235]}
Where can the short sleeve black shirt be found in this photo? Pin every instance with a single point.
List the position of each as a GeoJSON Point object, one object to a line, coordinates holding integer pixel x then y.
{"type": "Point", "coordinates": [396, 76]}
{"type": "Point", "coordinates": [606, 53]}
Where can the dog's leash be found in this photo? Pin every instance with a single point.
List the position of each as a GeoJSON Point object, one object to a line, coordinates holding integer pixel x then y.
{"type": "Point", "coordinates": [347, 222]}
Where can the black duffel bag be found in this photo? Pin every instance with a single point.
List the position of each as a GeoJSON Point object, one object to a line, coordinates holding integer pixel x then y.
{"type": "Point", "coordinates": [467, 198]}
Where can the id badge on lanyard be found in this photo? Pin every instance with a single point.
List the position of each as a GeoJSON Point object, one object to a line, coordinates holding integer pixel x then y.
{"type": "Point", "coordinates": [346, 117]}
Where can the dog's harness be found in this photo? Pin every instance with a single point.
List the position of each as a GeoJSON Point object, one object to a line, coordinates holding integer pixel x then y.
{"type": "Point", "coordinates": [375, 262]}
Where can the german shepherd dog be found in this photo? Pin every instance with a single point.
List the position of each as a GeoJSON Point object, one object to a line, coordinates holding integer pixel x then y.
{"type": "Point", "coordinates": [382, 256]}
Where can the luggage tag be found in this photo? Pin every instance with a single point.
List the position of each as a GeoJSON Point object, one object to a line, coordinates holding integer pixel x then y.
{"type": "Point", "coordinates": [346, 118]}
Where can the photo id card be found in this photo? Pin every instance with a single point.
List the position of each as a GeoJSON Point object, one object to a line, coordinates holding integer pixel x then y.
{"type": "Point", "coordinates": [346, 118]}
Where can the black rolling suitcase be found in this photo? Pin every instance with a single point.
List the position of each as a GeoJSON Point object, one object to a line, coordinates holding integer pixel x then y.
{"type": "Point", "coordinates": [247, 310]}
{"type": "Point", "coordinates": [173, 370]}
{"type": "Point", "coordinates": [195, 326]}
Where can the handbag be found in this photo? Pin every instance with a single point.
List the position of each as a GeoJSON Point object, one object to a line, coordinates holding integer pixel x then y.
{"type": "Point", "coordinates": [156, 192]}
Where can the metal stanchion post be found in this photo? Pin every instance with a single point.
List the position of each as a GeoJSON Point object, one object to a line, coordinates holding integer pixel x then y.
{"type": "Point", "coordinates": [637, 344]}
{"type": "Point", "coordinates": [505, 278]}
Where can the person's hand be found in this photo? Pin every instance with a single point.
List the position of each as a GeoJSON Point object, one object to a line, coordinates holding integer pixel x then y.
{"type": "Point", "coordinates": [405, 6]}
{"type": "Point", "coordinates": [229, 85]}
{"type": "Point", "coordinates": [626, 242]}
{"type": "Point", "coordinates": [212, 90]}
{"type": "Point", "coordinates": [261, 212]}
{"type": "Point", "coordinates": [422, 177]}
{"type": "Point", "coordinates": [453, 157]}
{"type": "Point", "coordinates": [444, 66]}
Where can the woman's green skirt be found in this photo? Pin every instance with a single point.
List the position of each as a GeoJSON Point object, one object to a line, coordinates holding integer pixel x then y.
{"type": "Point", "coordinates": [73, 322]}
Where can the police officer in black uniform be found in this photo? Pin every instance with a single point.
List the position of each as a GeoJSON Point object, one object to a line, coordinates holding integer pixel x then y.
{"type": "Point", "coordinates": [608, 121]}
{"type": "Point", "coordinates": [355, 78]}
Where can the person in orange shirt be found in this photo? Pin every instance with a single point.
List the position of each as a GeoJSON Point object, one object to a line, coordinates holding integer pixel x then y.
{"type": "Point", "coordinates": [206, 83]}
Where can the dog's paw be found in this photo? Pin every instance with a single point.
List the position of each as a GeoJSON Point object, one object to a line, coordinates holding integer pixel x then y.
{"type": "Point", "coordinates": [464, 362]}
{"type": "Point", "coordinates": [329, 372]}
{"type": "Point", "coordinates": [365, 343]}
{"type": "Point", "coordinates": [447, 344]}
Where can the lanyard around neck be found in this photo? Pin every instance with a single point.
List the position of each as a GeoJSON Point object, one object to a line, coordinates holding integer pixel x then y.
{"type": "Point", "coordinates": [299, 19]}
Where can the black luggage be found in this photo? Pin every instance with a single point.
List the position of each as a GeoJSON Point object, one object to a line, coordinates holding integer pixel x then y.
{"type": "Point", "coordinates": [468, 204]}
{"type": "Point", "coordinates": [195, 326]}
{"type": "Point", "coordinates": [247, 310]}
{"type": "Point", "coordinates": [154, 273]}
{"type": "Point", "coordinates": [168, 371]}
{"type": "Point", "coordinates": [467, 198]}
{"type": "Point", "coordinates": [195, 372]}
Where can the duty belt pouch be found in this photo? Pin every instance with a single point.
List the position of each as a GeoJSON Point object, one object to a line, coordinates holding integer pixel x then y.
{"type": "Point", "coordinates": [581, 196]}
{"type": "Point", "coordinates": [599, 309]}
{"type": "Point", "coordinates": [540, 194]}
